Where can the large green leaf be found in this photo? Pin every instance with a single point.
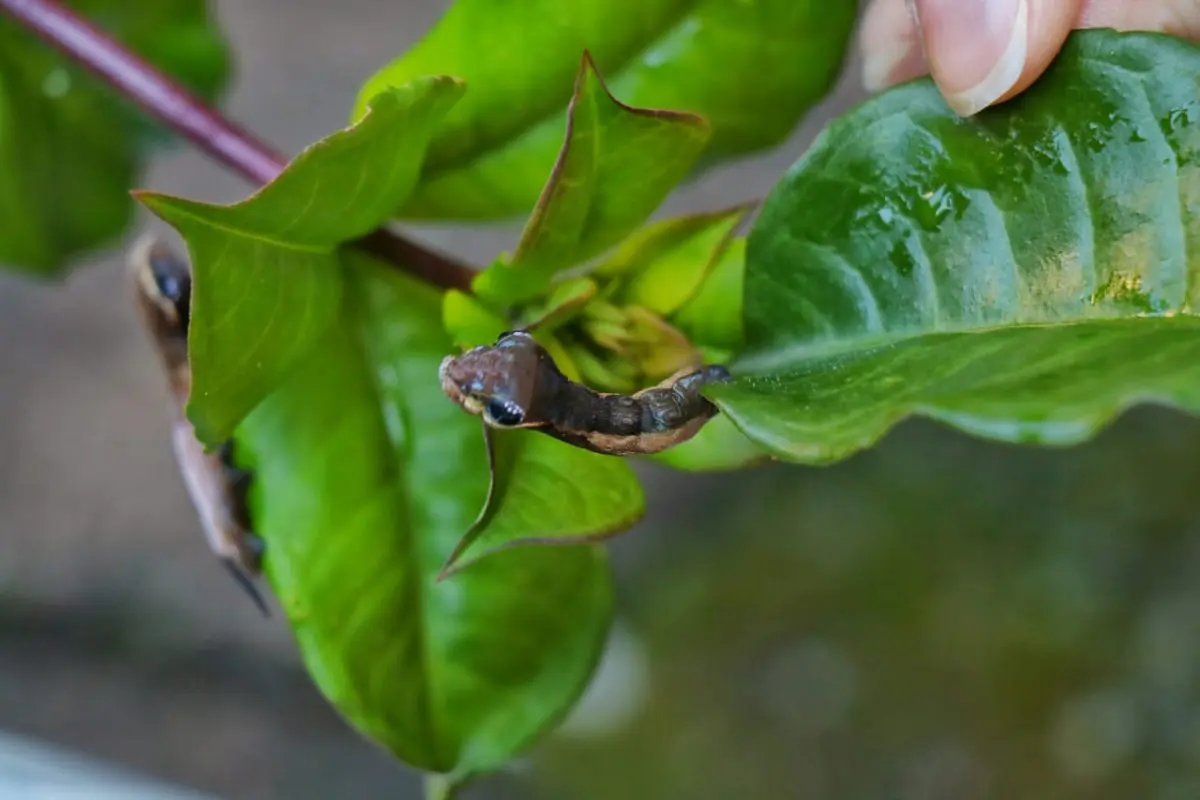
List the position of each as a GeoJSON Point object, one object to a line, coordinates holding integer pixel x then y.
{"type": "Point", "coordinates": [266, 268]}
{"type": "Point", "coordinates": [1025, 274]}
{"type": "Point", "coordinates": [365, 479]}
{"type": "Point", "coordinates": [616, 166]}
{"type": "Point", "coordinates": [551, 493]}
{"type": "Point", "coordinates": [752, 69]}
{"type": "Point", "coordinates": [68, 147]}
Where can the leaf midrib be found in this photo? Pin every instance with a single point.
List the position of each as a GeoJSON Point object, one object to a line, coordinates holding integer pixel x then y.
{"type": "Point", "coordinates": [800, 353]}
{"type": "Point", "coordinates": [398, 452]}
{"type": "Point", "coordinates": [181, 208]}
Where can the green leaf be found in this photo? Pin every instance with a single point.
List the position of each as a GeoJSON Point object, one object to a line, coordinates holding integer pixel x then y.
{"type": "Point", "coordinates": [69, 149]}
{"type": "Point", "coordinates": [690, 267]}
{"type": "Point", "coordinates": [752, 69]}
{"type": "Point", "coordinates": [718, 447]}
{"type": "Point", "coordinates": [266, 268]}
{"type": "Point", "coordinates": [667, 262]}
{"type": "Point", "coordinates": [468, 321]}
{"type": "Point", "coordinates": [549, 493]}
{"type": "Point", "coordinates": [713, 316]}
{"type": "Point", "coordinates": [365, 479]}
{"type": "Point", "coordinates": [560, 305]}
{"type": "Point", "coordinates": [1024, 275]}
{"type": "Point", "coordinates": [616, 166]}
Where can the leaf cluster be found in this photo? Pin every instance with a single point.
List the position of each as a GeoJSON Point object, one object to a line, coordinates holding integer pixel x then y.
{"type": "Point", "coordinates": [1023, 275]}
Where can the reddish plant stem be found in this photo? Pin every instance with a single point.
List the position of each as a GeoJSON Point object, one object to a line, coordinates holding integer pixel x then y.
{"type": "Point", "coordinates": [190, 117]}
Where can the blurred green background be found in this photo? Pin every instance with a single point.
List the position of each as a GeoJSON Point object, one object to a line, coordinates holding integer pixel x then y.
{"type": "Point", "coordinates": [937, 618]}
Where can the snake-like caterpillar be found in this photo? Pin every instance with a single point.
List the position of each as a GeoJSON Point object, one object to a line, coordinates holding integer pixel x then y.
{"type": "Point", "coordinates": [516, 384]}
{"type": "Point", "coordinates": [163, 284]}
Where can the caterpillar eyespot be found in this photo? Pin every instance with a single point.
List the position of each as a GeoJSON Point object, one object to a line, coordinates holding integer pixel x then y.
{"type": "Point", "coordinates": [503, 414]}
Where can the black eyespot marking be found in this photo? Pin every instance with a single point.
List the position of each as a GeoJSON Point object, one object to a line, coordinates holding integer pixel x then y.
{"type": "Point", "coordinates": [503, 413]}
{"type": "Point", "coordinates": [514, 383]}
{"type": "Point", "coordinates": [173, 280]}
{"type": "Point", "coordinates": [515, 333]}
{"type": "Point", "coordinates": [170, 286]}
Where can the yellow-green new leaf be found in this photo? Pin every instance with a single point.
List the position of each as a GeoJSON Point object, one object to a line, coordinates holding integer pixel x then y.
{"type": "Point", "coordinates": [752, 69]}
{"type": "Point", "coordinates": [712, 318]}
{"type": "Point", "coordinates": [616, 166]}
{"type": "Point", "coordinates": [667, 262]}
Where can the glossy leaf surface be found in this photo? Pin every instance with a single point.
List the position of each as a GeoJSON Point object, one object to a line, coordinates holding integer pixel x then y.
{"type": "Point", "coordinates": [1024, 275]}
{"type": "Point", "coordinates": [266, 268]}
{"type": "Point", "coordinates": [616, 166]}
{"type": "Point", "coordinates": [69, 149]}
{"type": "Point", "coordinates": [365, 479]}
{"type": "Point", "coordinates": [752, 69]}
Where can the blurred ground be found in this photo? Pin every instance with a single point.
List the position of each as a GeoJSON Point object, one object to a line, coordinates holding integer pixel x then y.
{"type": "Point", "coordinates": [939, 618]}
{"type": "Point", "coordinates": [31, 770]}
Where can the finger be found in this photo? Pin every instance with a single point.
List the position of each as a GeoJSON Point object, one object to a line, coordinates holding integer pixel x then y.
{"type": "Point", "coordinates": [967, 56]}
{"type": "Point", "coordinates": [983, 51]}
{"type": "Point", "coordinates": [1176, 17]}
{"type": "Point", "coordinates": [890, 46]}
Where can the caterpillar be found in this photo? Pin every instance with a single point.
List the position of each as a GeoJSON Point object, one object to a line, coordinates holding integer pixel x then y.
{"type": "Point", "coordinates": [163, 289]}
{"type": "Point", "coordinates": [515, 383]}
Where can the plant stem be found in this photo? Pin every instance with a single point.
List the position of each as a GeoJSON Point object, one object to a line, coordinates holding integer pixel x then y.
{"type": "Point", "coordinates": [438, 787]}
{"type": "Point", "coordinates": [190, 117]}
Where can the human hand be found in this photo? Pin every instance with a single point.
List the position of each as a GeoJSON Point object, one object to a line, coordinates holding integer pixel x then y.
{"type": "Point", "coordinates": [980, 52]}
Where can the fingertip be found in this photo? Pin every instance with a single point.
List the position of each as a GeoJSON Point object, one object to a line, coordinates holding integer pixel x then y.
{"type": "Point", "coordinates": [977, 49]}
{"type": "Point", "coordinates": [979, 52]}
{"type": "Point", "coordinates": [1050, 22]}
{"type": "Point", "coordinates": [1176, 17]}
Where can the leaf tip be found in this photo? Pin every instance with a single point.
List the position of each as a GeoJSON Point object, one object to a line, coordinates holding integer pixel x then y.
{"type": "Point", "coordinates": [589, 70]}
{"type": "Point", "coordinates": [150, 199]}
{"type": "Point", "coordinates": [210, 429]}
{"type": "Point", "coordinates": [588, 64]}
{"type": "Point", "coordinates": [452, 81]}
{"type": "Point", "coordinates": [454, 563]}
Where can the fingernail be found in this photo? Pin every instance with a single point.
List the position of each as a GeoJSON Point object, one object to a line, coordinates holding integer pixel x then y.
{"type": "Point", "coordinates": [976, 48]}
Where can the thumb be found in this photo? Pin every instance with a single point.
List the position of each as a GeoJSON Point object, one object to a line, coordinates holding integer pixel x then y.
{"type": "Point", "coordinates": [979, 52]}
{"type": "Point", "coordinates": [983, 51]}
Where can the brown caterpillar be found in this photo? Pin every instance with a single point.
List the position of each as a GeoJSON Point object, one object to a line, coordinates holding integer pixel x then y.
{"type": "Point", "coordinates": [163, 284]}
{"type": "Point", "coordinates": [516, 384]}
